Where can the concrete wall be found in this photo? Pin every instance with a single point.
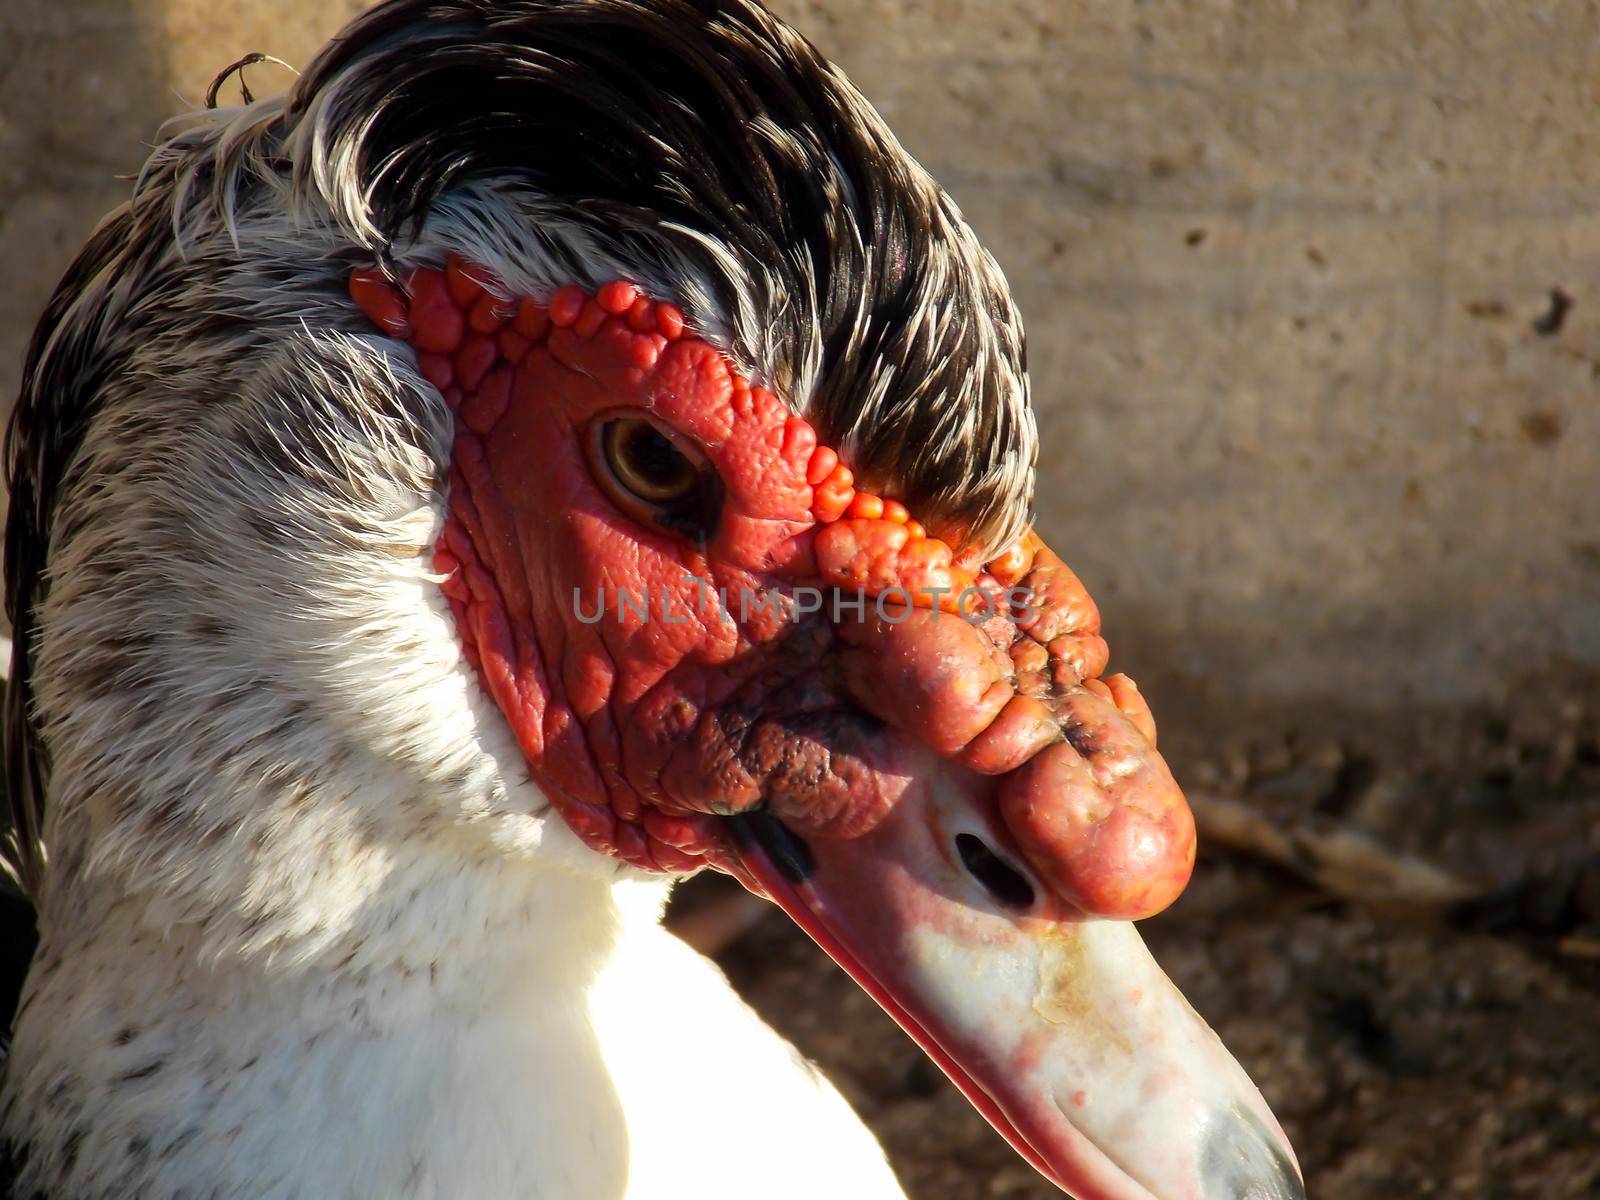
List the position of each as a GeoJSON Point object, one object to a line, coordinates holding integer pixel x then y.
{"type": "Point", "coordinates": [1282, 266]}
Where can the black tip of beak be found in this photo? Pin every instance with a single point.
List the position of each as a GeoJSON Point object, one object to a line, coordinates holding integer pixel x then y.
{"type": "Point", "coordinates": [785, 849]}
{"type": "Point", "coordinates": [1242, 1161]}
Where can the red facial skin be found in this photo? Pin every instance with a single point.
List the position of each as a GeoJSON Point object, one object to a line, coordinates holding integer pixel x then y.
{"type": "Point", "coordinates": [646, 729]}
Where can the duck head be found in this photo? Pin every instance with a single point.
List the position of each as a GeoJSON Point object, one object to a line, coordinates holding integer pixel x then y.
{"type": "Point", "coordinates": [713, 648]}
{"type": "Point", "coordinates": [733, 464]}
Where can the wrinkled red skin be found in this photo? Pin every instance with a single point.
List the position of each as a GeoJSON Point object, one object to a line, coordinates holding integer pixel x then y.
{"type": "Point", "coordinates": [646, 731]}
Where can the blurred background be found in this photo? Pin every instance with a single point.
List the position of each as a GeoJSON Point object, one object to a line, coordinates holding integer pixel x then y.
{"type": "Point", "coordinates": [1313, 297]}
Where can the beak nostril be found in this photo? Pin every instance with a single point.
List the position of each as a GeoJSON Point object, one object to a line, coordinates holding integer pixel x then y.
{"type": "Point", "coordinates": [1009, 887]}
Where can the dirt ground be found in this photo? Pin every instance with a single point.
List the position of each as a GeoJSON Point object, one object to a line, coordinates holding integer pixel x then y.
{"type": "Point", "coordinates": [1408, 1049]}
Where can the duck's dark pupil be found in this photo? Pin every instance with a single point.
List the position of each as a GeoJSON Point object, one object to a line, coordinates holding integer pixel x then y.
{"type": "Point", "coordinates": [654, 458]}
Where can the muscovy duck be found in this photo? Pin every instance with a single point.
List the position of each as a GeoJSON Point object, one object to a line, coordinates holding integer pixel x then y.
{"type": "Point", "coordinates": [560, 445]}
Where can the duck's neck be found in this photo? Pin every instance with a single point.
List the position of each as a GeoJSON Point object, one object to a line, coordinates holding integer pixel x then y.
{"type": "Point", "coordinates": [453, 1024]}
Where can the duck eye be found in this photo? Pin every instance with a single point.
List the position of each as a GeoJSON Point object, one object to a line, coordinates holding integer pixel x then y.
{"type": "Point", "coordinates": [653, 476]}
{"type": "Point", "coordinates": [645, 461]}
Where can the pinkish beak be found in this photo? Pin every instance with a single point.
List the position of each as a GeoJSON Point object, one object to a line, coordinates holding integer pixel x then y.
{"type": "Point", "coordinates": [1060, 1029]}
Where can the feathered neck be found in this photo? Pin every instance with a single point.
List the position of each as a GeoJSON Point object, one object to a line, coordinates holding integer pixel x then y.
{"type": "Point", "coordinates": [441, 1005]}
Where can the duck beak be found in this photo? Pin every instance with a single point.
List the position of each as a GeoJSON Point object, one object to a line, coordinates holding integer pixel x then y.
{"type": "Point", "coordinates": [1060, 1029]}
{"type": "Point", "coordinates": [1028, 801]}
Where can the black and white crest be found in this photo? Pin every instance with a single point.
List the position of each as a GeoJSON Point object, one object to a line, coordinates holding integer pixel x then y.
{"type": "Point", "coordinates": [706, 133]}
{"type": "Point", "coordinates": [699, 146]}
